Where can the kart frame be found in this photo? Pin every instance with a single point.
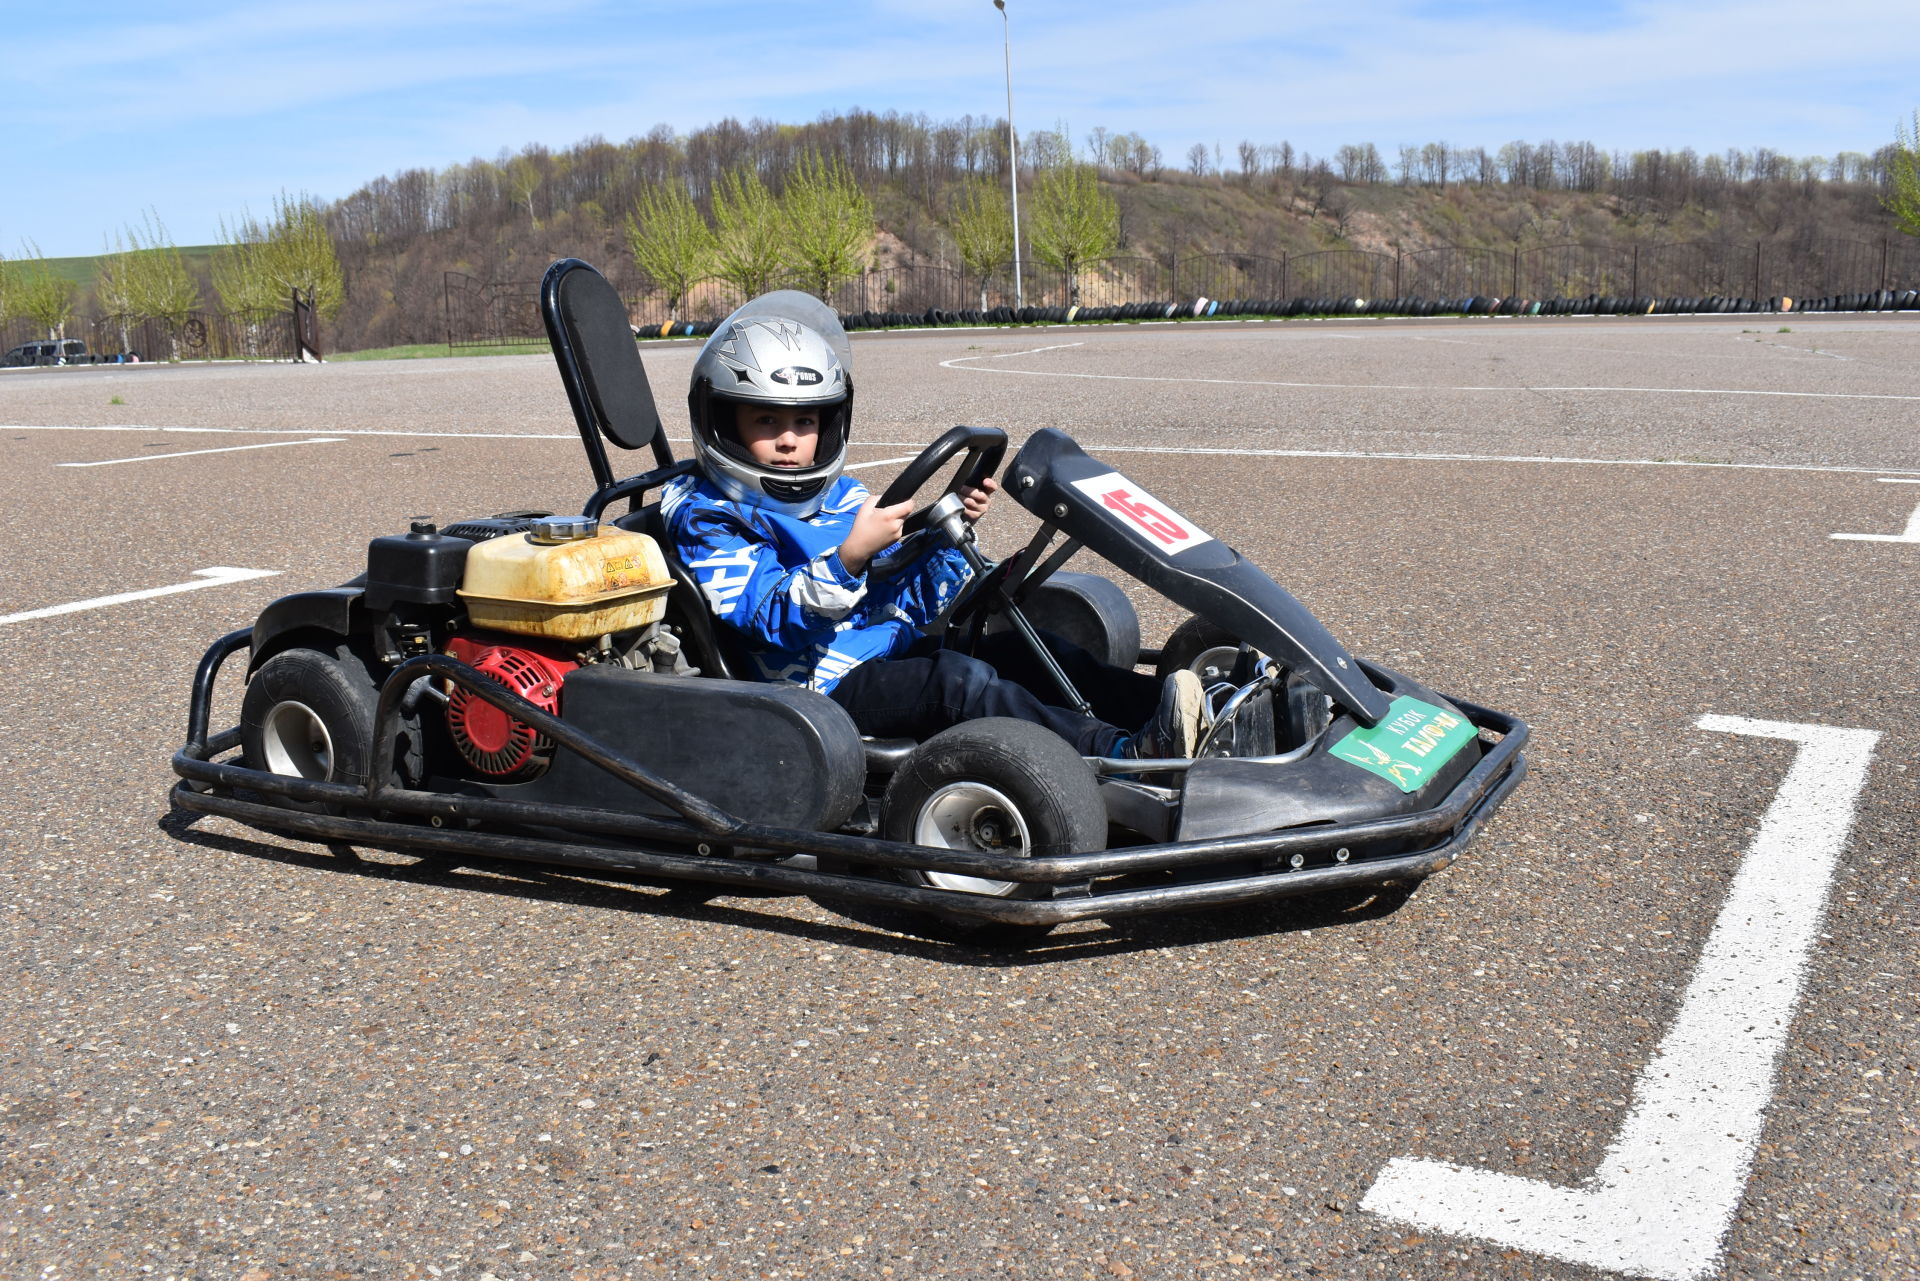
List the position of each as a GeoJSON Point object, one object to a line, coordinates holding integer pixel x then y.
{"type": "Point", "coordinates": [702, 843]}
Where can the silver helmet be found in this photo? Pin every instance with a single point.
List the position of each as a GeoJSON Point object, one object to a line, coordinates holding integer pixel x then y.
{"type": "Point", "coordinates": [782, 349]}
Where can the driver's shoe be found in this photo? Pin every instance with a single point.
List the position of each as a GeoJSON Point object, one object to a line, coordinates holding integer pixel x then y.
{"type": "Point", "coordinates": [1174, 730]}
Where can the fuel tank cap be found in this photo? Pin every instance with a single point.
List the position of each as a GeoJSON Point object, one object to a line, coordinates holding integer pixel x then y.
{"type": "Point", "coordinates": [550, 531]}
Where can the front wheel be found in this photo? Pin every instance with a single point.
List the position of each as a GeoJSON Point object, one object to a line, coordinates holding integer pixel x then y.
{"type": "Point", "coordinates": [1206, 649]}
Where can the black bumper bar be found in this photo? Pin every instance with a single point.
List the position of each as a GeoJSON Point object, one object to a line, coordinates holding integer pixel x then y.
{"type": "Point", "coordinates": [699, 842]}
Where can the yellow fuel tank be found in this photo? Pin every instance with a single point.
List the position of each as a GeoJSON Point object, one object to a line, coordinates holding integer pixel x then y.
{"type": "Point", "coordinates": [566, 579]}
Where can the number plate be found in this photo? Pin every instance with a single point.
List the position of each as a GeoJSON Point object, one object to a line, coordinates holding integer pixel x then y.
{"type": "Point", "coordinates": [1409, 747]}
{"type": "Point", "coordinates": [1145, 516]}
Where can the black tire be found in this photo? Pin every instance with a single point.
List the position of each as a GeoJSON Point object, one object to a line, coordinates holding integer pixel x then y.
{"type": "Point", "coordinates": [1087, 610]}
{"type": "Point", "coordinates": [1206, 649]}
{"type": "Point", "coordinates": [996, 784]}
{"type": "Point", "coordinates": [309, 714]}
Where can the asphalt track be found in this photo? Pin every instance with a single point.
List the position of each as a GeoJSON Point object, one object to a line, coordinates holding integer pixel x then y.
{"type": "Point", "coordinates": [227, 1055]}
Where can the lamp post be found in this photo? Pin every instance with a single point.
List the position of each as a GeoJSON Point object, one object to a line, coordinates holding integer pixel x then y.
{"type": "Point", "coordinates": [1013, 155]}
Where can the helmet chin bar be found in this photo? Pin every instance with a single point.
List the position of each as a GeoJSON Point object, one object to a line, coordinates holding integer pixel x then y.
{"type": "Point", "coordinates": [788, 491]}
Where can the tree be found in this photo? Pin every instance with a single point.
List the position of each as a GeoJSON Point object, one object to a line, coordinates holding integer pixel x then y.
{"type": "Point", "coordinates": [1903, 178]}
{"type": "Point", "coordinates": [9, 287]}
{"type": "Point", "coordinates": [240, 274]}
{"type": "Point", "coordinates": [1249, 161]}
{"type": "Point", "coordinates": [982, 230]}
{"type": "Point", "coordinates": [1197, 160]}
{"type": "Point", "coordinates": [670, 241]}
{"type": "Point", "coordinates": [263, 264]}
{"type": "Point", "coordinates": [829, 223]}
{"type": "Point", "coordinates": [1074, 222]}
{"type": "Point", "coordinates": [41, 295]}
{"type": "Point", "coordinates": [748, 232]}
{"type": "Point", "coordinates": [145, 278]}
{"type": "Point", "coordinates": [523, 179]}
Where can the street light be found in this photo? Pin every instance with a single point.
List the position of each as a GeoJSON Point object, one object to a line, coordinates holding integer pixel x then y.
{"type": "Point", "coordinates": [1013, 155]}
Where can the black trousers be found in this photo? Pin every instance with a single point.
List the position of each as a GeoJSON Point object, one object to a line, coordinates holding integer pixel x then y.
{"type": "Point", "coordinates": [931, 689]}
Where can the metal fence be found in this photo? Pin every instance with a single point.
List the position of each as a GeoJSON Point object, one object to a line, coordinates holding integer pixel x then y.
{"type": "Point", "coordinates": [200, 335]}
{"type": "Point", "coordinates": [495, 312]}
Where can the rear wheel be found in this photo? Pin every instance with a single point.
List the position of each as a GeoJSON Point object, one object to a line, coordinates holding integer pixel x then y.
{"type": "Point", "coordinates": [310, 714]}
{"type": "Point", "coordinates": [994, 786]}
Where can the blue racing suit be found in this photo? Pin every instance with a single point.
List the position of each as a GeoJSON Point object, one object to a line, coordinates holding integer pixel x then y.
{"type": "Point", "coordinates": [778, 582]}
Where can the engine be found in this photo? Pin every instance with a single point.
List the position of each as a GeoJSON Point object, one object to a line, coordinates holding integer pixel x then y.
{"type": "Point", "coordinates": [542, 595]}
{"type": "Point", "coordinates": [493, 742]}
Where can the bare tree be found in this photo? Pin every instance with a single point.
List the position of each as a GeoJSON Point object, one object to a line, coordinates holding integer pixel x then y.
{"type": "Point", "coordinates": [1340, 207]}
{"type": "Point", "coordinates": [1097, 142]}
{"type": "Point", "coordinates": [1197, 160]}
{"type": "Point", "coordinates": [1249, 162]}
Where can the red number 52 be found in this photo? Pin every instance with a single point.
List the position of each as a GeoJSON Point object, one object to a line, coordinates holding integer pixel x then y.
{"type": "Point", "coordinates": [1146, 516]}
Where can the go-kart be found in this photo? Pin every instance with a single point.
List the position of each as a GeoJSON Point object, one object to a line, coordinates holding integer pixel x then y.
{"type": "Point", "coordinates": [554, 689]}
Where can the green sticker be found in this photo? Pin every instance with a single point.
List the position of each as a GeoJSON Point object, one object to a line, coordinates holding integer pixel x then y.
{"type": "Point", "coordinates": [1409, 747]}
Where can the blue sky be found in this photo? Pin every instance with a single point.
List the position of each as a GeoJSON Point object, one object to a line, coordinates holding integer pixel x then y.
{"type": "Point", "coordinates": [207, 110]}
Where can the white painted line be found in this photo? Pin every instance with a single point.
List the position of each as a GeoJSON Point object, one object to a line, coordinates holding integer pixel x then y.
{"type": "Point", "coordinates": [1390, 455]}
{"type": "Point", "coordinates": [217, 576]}
{"type": "Point", "coordinates": [1005, 355]}
{"type": "Point", "coordinates": [1911, 534]}
{"type": "Point", "coordinates": [880, 462]}
{"type": "Point", "coordinates": [1399, 456]}
{"type": "Point", "coordinates": [961, 362]}
{"type": "Point", "coordinates": [1665, 1192]}
{"type": "Point", "coordinates": [189, 453]}
{"type": "Point", "coordinates": [275, 431]}
{"type": "Point", "coordinates": [1898, 480]}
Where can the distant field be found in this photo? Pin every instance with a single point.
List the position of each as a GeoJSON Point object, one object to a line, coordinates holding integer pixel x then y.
{"type": "Point", "coordinates": [424, 350]}
{"type": "Point", "coordinates": [81, 271]}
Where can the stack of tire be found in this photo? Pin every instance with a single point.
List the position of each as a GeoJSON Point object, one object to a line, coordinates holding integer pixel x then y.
{"type": "Point", "coordinates": [1476, 305]}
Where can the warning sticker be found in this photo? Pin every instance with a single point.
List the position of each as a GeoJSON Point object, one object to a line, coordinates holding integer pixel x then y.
{"type": "Point", "coordinates": [1143, 514]}
{"type": "Point", "coordinates": [1409, 747]}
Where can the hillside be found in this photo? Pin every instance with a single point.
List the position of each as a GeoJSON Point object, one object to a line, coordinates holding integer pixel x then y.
{"type": "Point", "coordinates": [1529, 218]}
{"type": "Point", "coordinates": [1752, 222]}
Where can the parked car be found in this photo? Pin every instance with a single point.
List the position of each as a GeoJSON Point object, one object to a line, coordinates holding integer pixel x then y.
{"type": "Point", "coordinates": [52, 351]}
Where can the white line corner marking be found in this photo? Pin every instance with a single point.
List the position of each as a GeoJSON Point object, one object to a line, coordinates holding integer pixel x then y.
{"type": "Point", "coordinates": [1668, 1186]}
{"type": "Point", "coordinates": [217, 576]}
{"type": "Point", "coordinates": [1911, 534]}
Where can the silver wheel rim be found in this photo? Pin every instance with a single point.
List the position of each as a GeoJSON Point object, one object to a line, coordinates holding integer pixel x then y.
{"type": "Point", "coordinates": [295, 741]}
{"type": "Point", "coordinates": [1214, 663]}
{"type": "Point", "coordinates": [977, 819]}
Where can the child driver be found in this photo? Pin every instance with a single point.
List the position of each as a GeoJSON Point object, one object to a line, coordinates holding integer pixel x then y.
{"type": "Point", "coordinates": [781, 542]}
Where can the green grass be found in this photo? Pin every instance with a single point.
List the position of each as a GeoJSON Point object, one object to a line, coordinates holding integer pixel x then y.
{"type": "Point", "coordinates": [428, 350]}
{"type": "Point", "coordinates": [81, 271]}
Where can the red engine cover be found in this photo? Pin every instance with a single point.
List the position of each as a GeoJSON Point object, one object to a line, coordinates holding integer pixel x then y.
{"type": "Point", "coordinates": [492, 741]}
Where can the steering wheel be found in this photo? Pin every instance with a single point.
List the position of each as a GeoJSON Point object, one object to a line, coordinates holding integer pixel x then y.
{"type": "Point", "coordinates": [984, 447]}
